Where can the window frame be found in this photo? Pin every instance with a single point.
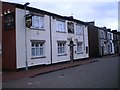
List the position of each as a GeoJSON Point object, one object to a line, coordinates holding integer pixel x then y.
{"type": "Point", "coordinates": [58, 21]}
{"type": "Point", "coordinates": [81, 27]}
{"type": "Point", "coordinates": [60, 48]}
{"type": "Point", "coordinates": [80, 48]}
{"type": "Point", "coordinates": [39, 42]}
{"type": "Point", "coordinates": [40, 22]}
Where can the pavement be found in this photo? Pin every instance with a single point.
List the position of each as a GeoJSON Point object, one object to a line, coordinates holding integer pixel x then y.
{"type": "Point", "coordinates": [34, 71]}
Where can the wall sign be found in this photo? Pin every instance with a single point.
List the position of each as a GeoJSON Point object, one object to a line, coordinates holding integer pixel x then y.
{"type": "Point", "coordinates": [9, 21]}
{"type": "Point", "coordinates": [28, 21]}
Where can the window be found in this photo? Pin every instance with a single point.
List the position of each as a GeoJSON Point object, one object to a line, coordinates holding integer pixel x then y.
{"type": "Point", "coordinates": [79, 47]}
{"type": "Point", "coordinates": [79, 29]}
{"type": "Point", "coordinates": [111, 47]}
{"type": "Point", "coordinates": [110, 36]}
{"type": "Point", "coordinates": [38, 22]}
{"type": "Point", "coordinates": [37, 48]}
{"type": "Point", "coordinates": [61, 47]}
{"type": "Point", "coordinates": [102, 35]}
{"type": "Point", "coordinates": [70, 26]}
{"type": "Point", "coordinates": [61, 26]}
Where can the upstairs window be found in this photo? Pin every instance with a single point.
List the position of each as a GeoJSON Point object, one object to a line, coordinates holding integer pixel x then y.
{"type": "Point", "coordinates": [38, 22]}
{"type": "Point", "coordinates": [110, 36]}
{"type": "Point", "coordinates": [70, 26]}
{"type": "Point", "coordinates": [102, 34]}
{"type": "Point", "coordinates": [60, 26]}
{"type": "Point", "coordinates": [79, 29]}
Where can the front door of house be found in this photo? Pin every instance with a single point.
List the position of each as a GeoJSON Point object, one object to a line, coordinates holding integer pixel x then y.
{"type": "Point", "coordinates": [102, 50]}
{"type": "Point", "coordinates": [71, 51]}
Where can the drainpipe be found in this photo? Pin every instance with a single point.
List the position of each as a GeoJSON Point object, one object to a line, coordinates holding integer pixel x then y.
{"type": "Point", "coordinates": [26, 61]}
{"type": "Point", "coordinates": [50, 39]}
{"type": "Point", "coordinates": [84, 37]}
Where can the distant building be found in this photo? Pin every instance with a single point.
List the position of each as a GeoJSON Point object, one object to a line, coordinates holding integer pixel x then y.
{"type": "Point", "coordinates": [93, 39]}
{"type": "Point", "coordinates": [100, 40]}
{"type": "Point", "coordinates": [106, 41]}
{"type": "Point", "coordinates": [116, 41]}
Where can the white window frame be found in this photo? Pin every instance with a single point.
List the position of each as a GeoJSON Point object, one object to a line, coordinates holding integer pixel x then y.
{"type": "Point", "coordinates": [61, 26]}
{"type": "Point", "coordinates": [38, 22]}
{"type": "Point", "coordinates": [61, 47]}
{"type": "Point", "coordinates": [79, 29]}
{"type": "Point", "coordinates": [39, 48]}
{"type": "Point", "coordinates": [79, 48]}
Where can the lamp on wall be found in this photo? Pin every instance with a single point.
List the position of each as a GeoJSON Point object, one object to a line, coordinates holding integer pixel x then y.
{"type": "Point", "coordinates": [5, 12]}
{"type": "Point", "coordinates": [8, 11]}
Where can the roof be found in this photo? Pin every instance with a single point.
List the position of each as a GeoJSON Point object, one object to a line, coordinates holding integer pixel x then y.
{"type": "Point", "coordinates": [36, 10]}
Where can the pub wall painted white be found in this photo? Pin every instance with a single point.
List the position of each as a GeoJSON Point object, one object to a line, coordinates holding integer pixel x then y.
{"type": "Point", "coordinates": [33, 34]}
{"type": "Point", "coordinates": [57, 36]}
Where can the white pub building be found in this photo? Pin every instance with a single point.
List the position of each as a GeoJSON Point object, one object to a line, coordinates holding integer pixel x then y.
{"type": "Point", "coordinates": [35, 37]}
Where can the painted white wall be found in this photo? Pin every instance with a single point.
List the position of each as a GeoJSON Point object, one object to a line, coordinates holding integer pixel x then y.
{"type": "Point", "coordinates": [32, 34]}
{"type": "Point", "coordinates": [106, 51]}
{"type": "Point", "coordinates": [59, 36]}
{"type": "Point", "coordinates": [112, 44]}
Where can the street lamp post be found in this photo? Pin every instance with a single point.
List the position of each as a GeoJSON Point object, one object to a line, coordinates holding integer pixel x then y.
{"type": "Point", "coordinates": [26, 61]}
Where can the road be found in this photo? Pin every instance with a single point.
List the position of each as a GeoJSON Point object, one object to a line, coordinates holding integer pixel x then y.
{"type": "Point", "coordinates": [100, 74]}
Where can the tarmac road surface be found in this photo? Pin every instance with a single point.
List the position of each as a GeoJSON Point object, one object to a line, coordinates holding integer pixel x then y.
{"type": "Point", "coordinates": [100, 74]}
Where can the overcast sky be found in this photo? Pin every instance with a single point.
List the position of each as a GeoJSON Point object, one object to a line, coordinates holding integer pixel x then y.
{"type": "Point", "coordinates": [103, 12]}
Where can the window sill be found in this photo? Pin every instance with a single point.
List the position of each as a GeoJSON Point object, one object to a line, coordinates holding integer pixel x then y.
{"type": "Point", "coordinates": [70, 33]}
{"type": "Point", "coordinates": [79, 53]}
{"type": "Point", "coordinates": [38, 29]}
{"type": "Point", "coordinates": [80, 34]}
{"type": "Point", "coordinates": [38, 57]}
{"type": "Point", "coordinates": [60, 31]}
{"type": "Point", "coordinates": [62, 55]}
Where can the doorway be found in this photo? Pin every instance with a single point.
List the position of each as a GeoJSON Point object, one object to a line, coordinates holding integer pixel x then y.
{"type": "Point", "coordinates": [71, 51]}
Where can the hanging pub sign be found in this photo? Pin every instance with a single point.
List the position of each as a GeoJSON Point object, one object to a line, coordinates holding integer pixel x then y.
{"type": "Point", "coordinates": [9, 21]}
{"type": "Point", "coordinates": [28, 20]}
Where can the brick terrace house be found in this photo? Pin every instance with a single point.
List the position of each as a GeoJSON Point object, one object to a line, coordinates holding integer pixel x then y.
{"type": "Point", "coordinates": [93, 39]}
{"type": "Point", "coordinates": [116, 40]}
{"type": "Point", "coordinates": [106, 45]}
{"type": "Point", "coordinates": [48, 38]}
{"type": "Point", "coordinates": [100, 40]}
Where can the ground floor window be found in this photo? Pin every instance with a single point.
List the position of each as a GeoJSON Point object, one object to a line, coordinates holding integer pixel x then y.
{"type": "Point", "coordinates": [79, 47]}
{"type": "Point", "coordinates": [37, 48]}
{"type": "Point", "coordinates": [61, 47]}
